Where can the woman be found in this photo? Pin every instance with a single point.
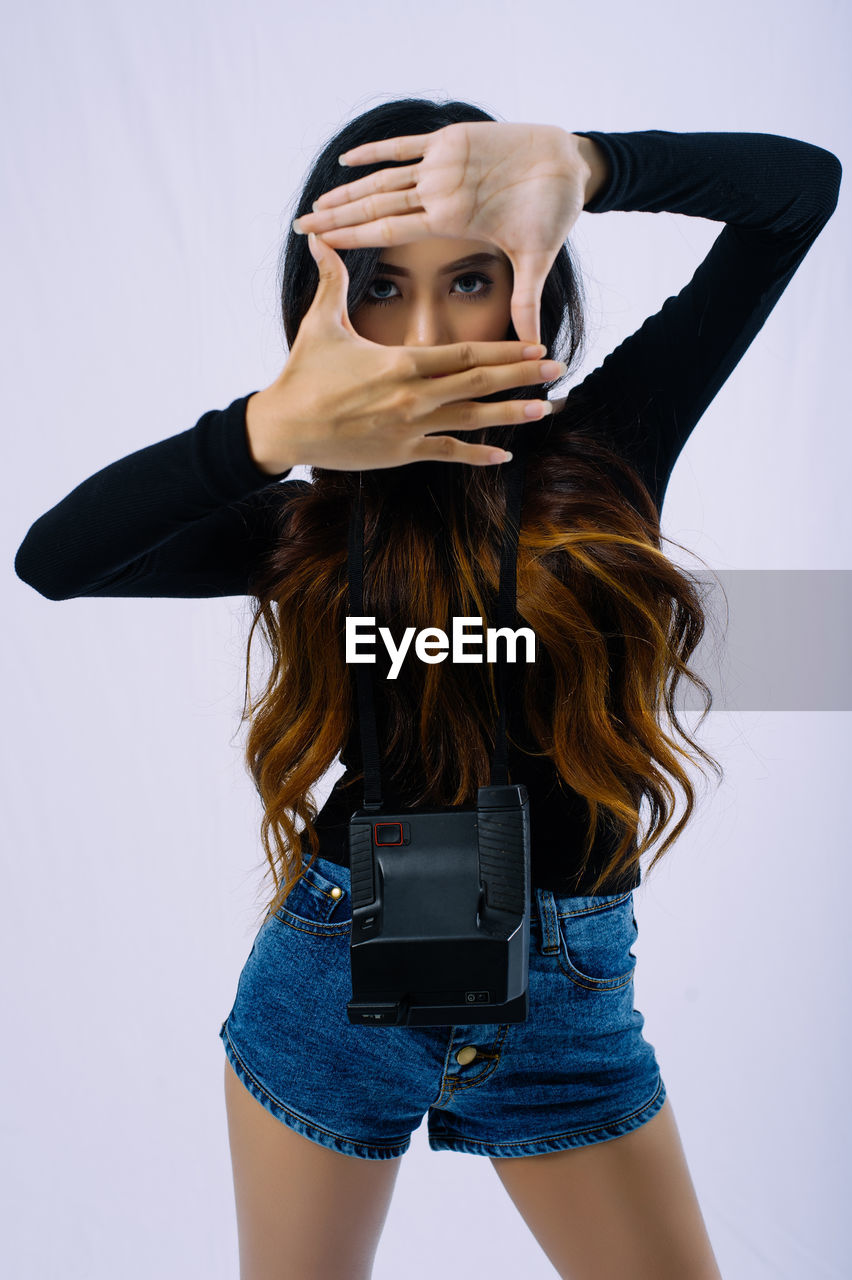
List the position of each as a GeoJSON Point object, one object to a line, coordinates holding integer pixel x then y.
{"type": "Point", "coordinates": [418, 352]}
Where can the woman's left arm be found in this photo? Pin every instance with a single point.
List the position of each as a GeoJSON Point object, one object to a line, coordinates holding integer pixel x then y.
{"type": "Point", "coordinates": [775, 195]}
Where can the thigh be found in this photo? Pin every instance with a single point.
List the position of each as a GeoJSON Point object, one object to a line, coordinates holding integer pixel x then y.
{"type": "Point", "coordinates": [304, 1212]}
{"type": "Point", "coordinates": [624, 1209]}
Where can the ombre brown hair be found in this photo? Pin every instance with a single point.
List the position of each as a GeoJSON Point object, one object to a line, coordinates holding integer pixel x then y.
{"type": "Point", "coordinates": [616, 621]}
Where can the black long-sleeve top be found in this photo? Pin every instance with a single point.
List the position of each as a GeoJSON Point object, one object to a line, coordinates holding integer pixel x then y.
{"type": "Point", "coordinates": [192, 515]}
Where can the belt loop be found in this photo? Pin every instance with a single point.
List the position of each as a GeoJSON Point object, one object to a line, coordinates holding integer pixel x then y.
{"type": "Point", "coordinates": [549, 924]}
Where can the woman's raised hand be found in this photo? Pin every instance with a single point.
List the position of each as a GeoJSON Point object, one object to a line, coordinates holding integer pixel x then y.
{"type": "Point", "coordinates": [519, 186]}
{"type": "Point", "coordinates": [348, 404]}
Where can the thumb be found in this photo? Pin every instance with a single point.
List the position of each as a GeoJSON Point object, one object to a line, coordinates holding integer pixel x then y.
{"type": "Point", "coordinates": [333, 278]}
{"type": "Point", "coordinates": [530, 273]}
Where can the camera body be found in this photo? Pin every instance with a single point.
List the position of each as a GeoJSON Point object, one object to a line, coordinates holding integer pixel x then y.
{"type": "Point", "coordinates": [441, 912]}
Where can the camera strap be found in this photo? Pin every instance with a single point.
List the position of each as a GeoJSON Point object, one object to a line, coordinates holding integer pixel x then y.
{"type": "Point", "coordinates": [505, 618]}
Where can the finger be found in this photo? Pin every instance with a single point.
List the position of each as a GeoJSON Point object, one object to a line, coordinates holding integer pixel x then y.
{"type": "Point", "coordinates": [527, 320]}
{"type": "Point", "coordinates": [458, 357]}
{"type": "Point", "coordinates": [470, 415]}
{"type": "Point", "coordinates": [526, 305]}
{"type": "Point", "coordinates": [372, 208]}
{"type": "Point", "coordinates": [450, 392]}
{"type": "Point", "coordinates": [448, 449]}
{"type": "Point", "coordinates": [384, 180]}
{"type": "Point", "coordinates": [530, 271]}
{"type": "Point", "coordinates": [410, 147]}
{"type": "Point", "coordinates": [382, 234]}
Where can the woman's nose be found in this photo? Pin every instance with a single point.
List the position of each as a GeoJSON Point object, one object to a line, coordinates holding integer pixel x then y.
{"type": "Point", "coordinates": [426, 329]}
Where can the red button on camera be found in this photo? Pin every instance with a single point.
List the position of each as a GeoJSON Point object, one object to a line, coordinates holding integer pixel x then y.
{"type": "Point", "coordinates": [387, 833]}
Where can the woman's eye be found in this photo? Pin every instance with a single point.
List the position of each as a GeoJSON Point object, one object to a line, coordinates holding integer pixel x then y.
{"type": "Point", "coordinates": [378, 284]}
{"type": "Point", "coordinates": [381, 282]}
{"type": "Point", "coordinates": [486, 285]}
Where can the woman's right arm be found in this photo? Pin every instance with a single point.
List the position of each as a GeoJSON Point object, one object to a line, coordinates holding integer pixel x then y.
{"type": "Point", "coordinates": [190, 516]}
{"type": "Point", "coordinates": [195, 514]}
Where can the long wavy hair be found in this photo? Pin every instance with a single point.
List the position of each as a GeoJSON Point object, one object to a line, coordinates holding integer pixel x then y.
{"type": "Point", "coordinates": [616, 621]}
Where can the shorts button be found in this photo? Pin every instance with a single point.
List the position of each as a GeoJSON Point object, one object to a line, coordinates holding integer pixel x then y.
{"type": "Point", "coordinates": [336, 893]}
{"type": "Point", "coordinates": [466, 1055]}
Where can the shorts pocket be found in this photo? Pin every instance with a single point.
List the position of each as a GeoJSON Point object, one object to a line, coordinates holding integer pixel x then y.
{"type": "Point", "coordinates": [596, 934]}
{"type": "Point", "coordinates": [320, 901]}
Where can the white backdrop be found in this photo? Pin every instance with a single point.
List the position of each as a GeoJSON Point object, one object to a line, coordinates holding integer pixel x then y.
{"type": "Point", "coordinates": [151, 156]}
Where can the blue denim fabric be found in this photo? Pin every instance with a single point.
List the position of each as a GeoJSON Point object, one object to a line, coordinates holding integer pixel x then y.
{"type": "Point", "coordinates": [577, 1071]}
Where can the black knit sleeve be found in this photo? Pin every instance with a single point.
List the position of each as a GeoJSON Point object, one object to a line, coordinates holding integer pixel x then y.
{"type": "Point", "coordinates": [191, 515]}
{"type": "Point", "coordinates": [775, 195]}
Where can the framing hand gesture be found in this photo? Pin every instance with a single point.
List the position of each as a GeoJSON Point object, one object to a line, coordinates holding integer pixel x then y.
{"type": "Point", "coordinates": [519, 186]}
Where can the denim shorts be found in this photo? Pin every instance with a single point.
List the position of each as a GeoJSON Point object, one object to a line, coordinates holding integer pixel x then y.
{"type": "Point", "coordinates": [577, 1071]}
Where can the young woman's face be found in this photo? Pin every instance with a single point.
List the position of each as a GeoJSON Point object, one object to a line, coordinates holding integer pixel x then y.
{"type": "Point", "coordinates": [423, 296]}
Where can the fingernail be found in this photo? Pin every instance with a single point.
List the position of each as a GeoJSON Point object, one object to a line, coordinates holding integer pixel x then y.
{"type": "Point", "coordinates": [498, 456]}
{"type": "Point", "coordinates": [298, 230]}
{"type": "Point", "coordinates": [540, 350]}
{"type": "Point", "coordinates": [553, 369]}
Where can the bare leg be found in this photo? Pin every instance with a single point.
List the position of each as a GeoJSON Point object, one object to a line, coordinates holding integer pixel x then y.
{"type": "Point", "coordinates": [624, 1209]}
{"type": "Point", "coordinates": [304, 1212]}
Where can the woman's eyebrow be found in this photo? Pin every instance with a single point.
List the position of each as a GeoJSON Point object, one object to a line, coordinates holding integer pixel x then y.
{"type": "Point", "coordinates": [472, 260]}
